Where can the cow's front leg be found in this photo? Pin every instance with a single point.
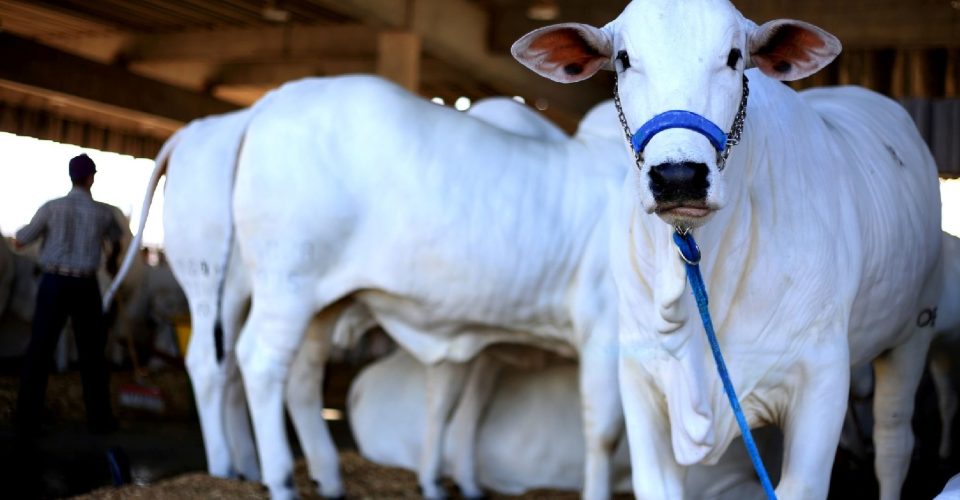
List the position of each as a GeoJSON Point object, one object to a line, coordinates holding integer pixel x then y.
{"type": "Point", "coordinates": [602, 415]}
{"type": "Point", "coordinates": [813, 420]}
{"type": "Point", "coordinates": [898, 374]}
{"type": "Point", "coordinates": [655, 472]}
{"type": "Point", "coordinates": [305, 405]}
{"type": "Point", "coordinates": [266, 349]}
{"type": "Point", "coordinates": [444, 384]}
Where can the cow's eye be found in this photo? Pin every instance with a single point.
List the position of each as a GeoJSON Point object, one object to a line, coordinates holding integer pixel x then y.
{"type": "Point", "coordinates": [623, 61]}
{"type": "Point", "coordinates": [733, 58]}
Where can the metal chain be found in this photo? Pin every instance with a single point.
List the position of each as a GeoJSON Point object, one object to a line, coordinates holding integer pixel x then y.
{"type": "Point", "coordinates": [637, 156]}
{"type": "Point", "coordinates": [733, 138]}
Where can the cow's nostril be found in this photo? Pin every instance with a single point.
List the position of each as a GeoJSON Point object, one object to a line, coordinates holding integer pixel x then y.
{"type": "Point", "coordinates": [679, 181]}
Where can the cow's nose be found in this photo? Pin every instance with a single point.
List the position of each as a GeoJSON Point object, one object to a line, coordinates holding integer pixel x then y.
{"type": "Point", "coordinates": [678, 182]}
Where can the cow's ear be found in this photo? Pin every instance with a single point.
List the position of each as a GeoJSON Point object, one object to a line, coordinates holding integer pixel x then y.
{"type": "Point", "coordinates": [789, 50]}
{"type": "Point", "coordinates": [565, 53]}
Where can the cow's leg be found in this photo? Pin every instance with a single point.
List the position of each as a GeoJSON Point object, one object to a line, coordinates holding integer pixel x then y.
{"type": "Point", "coordinates": [602, 414]}
{"type": "Point", "coordinates": [946, 399]}
{"type": "Point", "coordinates": [444, 385]}
{"type": "Point", "coordinates": [481, 380]}
{"type": "Point", "coordinates": [236, 421]}
{"type": "Point", "coordinates": [208, 383]}
{"type": "Point", "coordinates": [282, 309]}
{"type": "Point", "coordinates": [898, 374]}
{"type": "Point", "coordinates": [812, 422]}
{"type": "Point", "coordinates": [655, 473]}
{"type": "Point", "coordinates": [305, 404]}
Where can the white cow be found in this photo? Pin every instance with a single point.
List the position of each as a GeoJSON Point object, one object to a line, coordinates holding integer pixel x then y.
{"type": "Point", "coordinates": [529, 436]}
{"type": "Point", "coordinates": [820, 239]}
{"type": "Point", "coordinates": [453, 233]}
{"type": "Point", "coordinates": [199, 164]}
{"type": "Point", "coordinates": [951, 491]}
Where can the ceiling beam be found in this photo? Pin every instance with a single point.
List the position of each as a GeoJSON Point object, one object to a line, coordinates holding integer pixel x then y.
{"type": "Point", "coordinates": [29, 64]}
{"type": "Point", "coordinates": [456, 31]}
{"type": "Point", "coordinates": [275, 73]}
{"type": "Point", "coordinates": [292, 40]}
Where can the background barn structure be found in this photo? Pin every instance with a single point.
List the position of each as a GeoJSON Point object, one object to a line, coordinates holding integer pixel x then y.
{"type": "Point", "coordinates": [123, 75]}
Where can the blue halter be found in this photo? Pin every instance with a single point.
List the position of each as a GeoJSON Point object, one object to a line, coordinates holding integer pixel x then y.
{"type": "Point", "coordinates": [679, 119]}
{"type": "Point", "coordinates": [721, 141]}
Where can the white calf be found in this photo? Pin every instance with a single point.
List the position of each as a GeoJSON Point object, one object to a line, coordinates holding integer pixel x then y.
{"type": "Point", "coordinates": [530, 436]}
{"type": "Point", "coordinates": [820, 239]}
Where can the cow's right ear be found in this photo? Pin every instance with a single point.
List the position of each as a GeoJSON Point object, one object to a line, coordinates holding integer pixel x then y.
{"type": "Point", "coordinates": [565, 53]}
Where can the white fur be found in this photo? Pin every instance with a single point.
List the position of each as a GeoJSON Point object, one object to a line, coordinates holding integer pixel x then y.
{"type": "Point", "coordinates": [453, 233]}
{"type": "Point", "coordinates": [821, 249]}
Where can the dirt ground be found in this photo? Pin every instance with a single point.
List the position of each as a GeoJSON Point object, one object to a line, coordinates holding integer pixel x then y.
{"type": "Point", "coordinates": [165, 452]}
{"type": "Point", "coordinates": [364, 481]}
{"type": "Point", "coordinates": [171, 443]}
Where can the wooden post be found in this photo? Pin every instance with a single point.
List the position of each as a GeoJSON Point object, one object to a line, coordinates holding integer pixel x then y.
{"type": "Point", "coordinates": [898, 75]}
{"type": "Point", "coordinates": [951, 84]}
{"type": "Point", "coordinates": [917, 66]}
{"type": "Point", "coordinates": [398, 58]}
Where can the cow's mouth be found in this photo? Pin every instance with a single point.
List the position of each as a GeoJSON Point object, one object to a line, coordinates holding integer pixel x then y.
{"type": "Point", "coordinates": [686, 210]}
{"type": "Point", "coordinates": [687, 214]}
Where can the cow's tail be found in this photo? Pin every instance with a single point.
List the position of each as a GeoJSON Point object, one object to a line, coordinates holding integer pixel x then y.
{"type": "Point", "coordinates": [134, 248]}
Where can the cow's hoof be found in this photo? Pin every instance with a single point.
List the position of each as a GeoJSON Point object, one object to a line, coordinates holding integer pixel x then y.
{"type": "Point", "coordinates": [436, 493]}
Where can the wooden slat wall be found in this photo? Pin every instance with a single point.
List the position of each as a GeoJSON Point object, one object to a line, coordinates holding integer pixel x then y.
{"type": "Point", "coordinates": [43, 124]}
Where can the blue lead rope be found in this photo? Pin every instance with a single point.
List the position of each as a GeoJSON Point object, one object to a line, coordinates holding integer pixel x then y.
{"type": "Point", "coordinates": [691, 256]}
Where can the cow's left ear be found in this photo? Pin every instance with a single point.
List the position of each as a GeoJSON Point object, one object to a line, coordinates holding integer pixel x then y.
{"type": "Point", "coordinates": [566, 52]}
{"type": "Point", "coordinates": [786, 49]}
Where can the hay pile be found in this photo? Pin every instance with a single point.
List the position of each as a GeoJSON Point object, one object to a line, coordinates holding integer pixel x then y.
{"type": "Point", "coordinates": [364, 481]}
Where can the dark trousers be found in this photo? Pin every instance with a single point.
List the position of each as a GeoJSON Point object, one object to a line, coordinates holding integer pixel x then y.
{"type": "Point", "coordinates": [60, 297]}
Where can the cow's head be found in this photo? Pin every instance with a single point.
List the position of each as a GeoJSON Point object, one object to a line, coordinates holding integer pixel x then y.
{"type": "Point", "coordinates": [683, 61]}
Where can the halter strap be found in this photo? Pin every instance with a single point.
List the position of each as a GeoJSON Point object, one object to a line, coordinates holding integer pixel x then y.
{"type": "Point", "coordinates": [679, 119]}
{"type": "Point", "coordinates": [689, 120]}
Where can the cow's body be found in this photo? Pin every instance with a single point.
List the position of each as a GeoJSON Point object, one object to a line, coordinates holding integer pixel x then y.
{"type": "Point", "coordinates": [199, 166]}
{"type": "Point", "coordinates": [840, 286]}
{"type": "Point", "coordinates": [453, 233]}
{"type": "Point", "coordinates": [820, 239]}
{"type": "Point", "coordinates": [199, 163]}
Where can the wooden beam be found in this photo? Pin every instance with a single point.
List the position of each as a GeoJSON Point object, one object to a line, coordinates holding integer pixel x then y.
{"type": "Point", "coordinates": [260, 73]}
{"type": "Point", "coordinates": [456, 31]}
{"type": "Point", "coordinates": [398, 58]}
{"type": "Point", "coordinates": [290, 40]}
{"type": "Point", "coordinates": [30, 64]}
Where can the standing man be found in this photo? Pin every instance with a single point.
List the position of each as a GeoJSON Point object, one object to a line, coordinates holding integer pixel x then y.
{"type": "Point", "coordinates": [74, 229]}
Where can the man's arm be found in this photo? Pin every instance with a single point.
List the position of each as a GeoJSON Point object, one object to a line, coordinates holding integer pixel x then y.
{"type": "Point", "coordinates": [36, 228]}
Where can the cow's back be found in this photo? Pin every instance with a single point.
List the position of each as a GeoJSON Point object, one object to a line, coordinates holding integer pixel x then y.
{"type": "Point", "coordinates": [388, 193]}
{"type": "Point", "coordinates": [893, 187]}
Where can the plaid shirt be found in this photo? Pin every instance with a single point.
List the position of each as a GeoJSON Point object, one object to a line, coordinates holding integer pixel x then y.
{"type": "Point", "coordinates": [73, 230]}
